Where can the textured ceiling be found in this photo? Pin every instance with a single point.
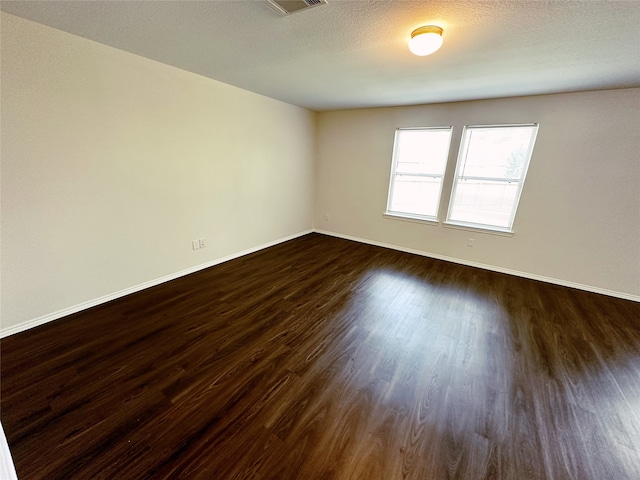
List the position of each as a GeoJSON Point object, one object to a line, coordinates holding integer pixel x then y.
{"type": "Point", "coordinates": [353, 53]}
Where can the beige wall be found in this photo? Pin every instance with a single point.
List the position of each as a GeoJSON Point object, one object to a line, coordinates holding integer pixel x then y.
{"type": "Point", "coordinates": [113, 163]}
{"type": "Point", "coordinates": [579, 215]}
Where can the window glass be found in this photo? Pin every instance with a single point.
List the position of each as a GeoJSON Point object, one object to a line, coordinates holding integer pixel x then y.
{"type": "Point", "coordinates": [490, 172]}
{"type": "Point", "coordinates": [419, 161]}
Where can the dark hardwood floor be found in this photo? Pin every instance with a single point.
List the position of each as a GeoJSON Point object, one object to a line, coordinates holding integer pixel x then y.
{"type": "Point", "coordinates": [322, 358]}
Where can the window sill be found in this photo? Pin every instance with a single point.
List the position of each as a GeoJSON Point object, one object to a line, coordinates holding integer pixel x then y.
{"type": "Point", "coordinates": [409, 218]}
{"type": "Point", "coordinates": [471, 228]}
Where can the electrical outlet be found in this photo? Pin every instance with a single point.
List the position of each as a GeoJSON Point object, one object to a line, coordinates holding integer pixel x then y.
{"type": "Point", "coordinates": [195, 244]}
{"type": "Point", "coordinates": [471, 242]}
{"type": "Point", "coordinates": [203, 242]}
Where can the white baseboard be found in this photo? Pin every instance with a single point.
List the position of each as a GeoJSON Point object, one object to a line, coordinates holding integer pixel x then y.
{"type": "Point", "coordinates": [21, 327]}
{"type": "Point", "coordinates": [517, 273]}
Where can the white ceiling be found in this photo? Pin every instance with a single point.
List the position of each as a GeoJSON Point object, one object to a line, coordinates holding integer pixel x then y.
{"type": "Point", "coordinates": [353, 53]}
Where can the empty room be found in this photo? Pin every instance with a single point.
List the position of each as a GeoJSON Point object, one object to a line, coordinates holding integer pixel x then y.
{"type": "Point", "coordinates": [320, 239]}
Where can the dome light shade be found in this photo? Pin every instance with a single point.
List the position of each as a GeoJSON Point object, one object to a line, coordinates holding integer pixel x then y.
{"type": "Point", "coordinates": [425, 40]}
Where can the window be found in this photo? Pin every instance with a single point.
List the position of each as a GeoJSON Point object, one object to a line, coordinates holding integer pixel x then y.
{"type": "Point", "coordinates": [490, 172]}
{"type": "Point", "coordinates": [419, 161]}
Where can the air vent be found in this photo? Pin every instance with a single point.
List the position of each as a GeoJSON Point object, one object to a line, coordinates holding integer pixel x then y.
{"type": "Point", "coordinates": [287, 7]}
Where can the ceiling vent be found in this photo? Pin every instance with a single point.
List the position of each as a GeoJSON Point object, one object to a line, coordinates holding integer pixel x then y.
{"type": "Point", "coordinates": [287, 7]}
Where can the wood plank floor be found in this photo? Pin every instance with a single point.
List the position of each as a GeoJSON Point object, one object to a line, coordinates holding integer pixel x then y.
{"type": "Point", "coordinates": [322, 358]}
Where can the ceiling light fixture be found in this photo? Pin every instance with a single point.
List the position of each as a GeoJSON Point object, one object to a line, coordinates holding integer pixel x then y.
{"type": "Point", "coordinates": [425, 40]}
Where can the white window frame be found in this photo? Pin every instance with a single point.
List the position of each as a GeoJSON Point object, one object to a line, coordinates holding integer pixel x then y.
{"type": "Point", "coordinates": [459, 174]}
{"type": "Point", "coordinates": [394, 173]}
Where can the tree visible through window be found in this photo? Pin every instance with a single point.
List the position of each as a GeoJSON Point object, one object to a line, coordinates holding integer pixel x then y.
{"type": "Point", "coordinates": [490, 172]}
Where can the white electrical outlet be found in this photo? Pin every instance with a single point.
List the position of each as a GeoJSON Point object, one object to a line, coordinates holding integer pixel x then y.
{"type": "Point", "coordinates": [471, 242]}
{"type": "Point", "coordinates": [195, 244]}
{"type": "Point", "coordinates": [203, 242]}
